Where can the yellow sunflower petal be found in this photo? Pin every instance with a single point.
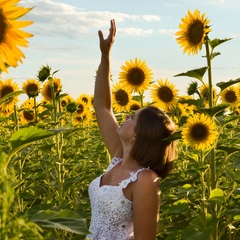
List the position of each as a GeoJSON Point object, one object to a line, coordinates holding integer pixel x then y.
{"type": "Point", "coordinates": [193, 30]}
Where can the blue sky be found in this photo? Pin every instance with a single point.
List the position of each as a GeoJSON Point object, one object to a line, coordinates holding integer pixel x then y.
{"type": "Point", "coordinates": [65, 38]}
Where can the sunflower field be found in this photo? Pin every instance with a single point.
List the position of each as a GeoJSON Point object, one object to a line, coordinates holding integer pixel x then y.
{"type": "Point", "coordinates": [51, 149]}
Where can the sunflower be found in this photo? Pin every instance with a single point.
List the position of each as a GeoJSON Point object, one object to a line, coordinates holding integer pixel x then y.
{"type": "Point", "coordinates": [121, 98]}
{"type": "Point", "coordinates": [204, 93]}
{"type": "Point", "coordinates": [46, 91]}
{"type": "Point", "coordinates": [186, 109]}
{"type": "Point", "coordinates": [82, 118]}
{"type": "Point", "coordinates": [193, 31]}
{"type": "Point", "coordinates": [7, 87]}
{"type": "Point", "coordinates": [134, 105]}
{"type": "Point", "coordinates": [31, 87]}
{"type": "Point", "coordinates": [199, 132]}
{"type": "Point", "coordinates": [72, 107]}
{"type": "Point", "coordinates": [65, 101]}
{"type": "Point", "coordinates": [81, 106]}
{"type": "Point", "coordinates": [238, 91]}
{"type": "Point", "coordinates": [164, 94]}
{"type": "Point", "coordinates": [229, 95]}
{"type": "Point", "coordinates": [85, 98]}
{"type": "Point", "coordinates": [44, 73]}
{"type": "Point", "coordinates": [6, 113]}
{"type": "Point", "coordinates": [27, 111]}
{"type": "Point", "coordinates": [136, 76]}
{"type": "Point", "coordinates": [11, 36]}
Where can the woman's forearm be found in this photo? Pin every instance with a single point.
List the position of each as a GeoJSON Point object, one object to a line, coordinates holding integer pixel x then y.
{"type": "Point", "coordinates": [102, 90]}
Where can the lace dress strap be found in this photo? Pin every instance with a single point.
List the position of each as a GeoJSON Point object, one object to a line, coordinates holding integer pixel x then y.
{"type": "Point", "coordinates": [132, 178]}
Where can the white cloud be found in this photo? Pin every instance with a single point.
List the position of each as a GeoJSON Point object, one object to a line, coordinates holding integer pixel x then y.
{"type": "Point", "coordinates": [168, 32]}
{"type": "Point", "coordinates": [134, 31]}
{"type": "Point", "coordinates": [62, 20]}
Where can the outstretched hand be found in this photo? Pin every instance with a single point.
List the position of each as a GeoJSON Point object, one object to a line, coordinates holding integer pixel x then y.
{"type": "Point", "coordinates": [106, 44]}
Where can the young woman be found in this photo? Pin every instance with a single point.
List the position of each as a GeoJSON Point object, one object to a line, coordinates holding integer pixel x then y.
{"type": "Point", "coordinates": [125, 199]}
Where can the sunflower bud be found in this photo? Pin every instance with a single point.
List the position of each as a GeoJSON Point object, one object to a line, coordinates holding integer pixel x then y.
{"type": "Point", "coordinates": [44, 73]}
{"type": "Point", "coordinates": [71, 107]}
{"type": "Point", "coordinates": [192, 88]}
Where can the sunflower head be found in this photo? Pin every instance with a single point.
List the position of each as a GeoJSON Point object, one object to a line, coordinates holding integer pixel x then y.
{"type": "Point", "coordinates": [44, 73]}
{"type": "Point", "coordinates": [27, 112]}
{"type": "Point", "coordinates": [229, 95]}
{"type": "Point", "coordinates": [193, 31]}
{"type": "Point", "coordinates": [193, 88]}
{"type": "Point", "coordinates": [121, 98]}
{"type": "Point", "coordinates": [164, 94]}
{"type": "Point", "coordinates": [56, 84]}
{"type": "Point", "coordinates": [134, 105]}
{"type": "Point", "coordinates": [7, 87]}
{"type": "Point", "coordinates": [11, 36]}
{"type": "Point", "coordinates": [31, 87]}
{"type": "Point", "coordinates": [205, 93]}
{"type": "Point", "coordinates": [71, 107]}
{"type": "Point", "coordinates": [85, 98]}
{"type": "Point", "coordinates": [65, 100]}
{"type": "Point", "coordinates": [81, 106]}
{"type": "Point", "coordinates": [135, 76]}
{"type": "Point", "coordinates": [199, 132]}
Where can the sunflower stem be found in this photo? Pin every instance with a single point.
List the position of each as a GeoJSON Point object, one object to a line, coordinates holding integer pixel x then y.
{"type": "Point", "coordinates": [203, 188]}
{"type": "Point", "coordinates": [16, 117]}
{"type": "Point", "coordinates": [212, 153]}
{"type": "Point", "coordinates": [209, 64]}
{"type": "Point", "coordinates": [35, 109]}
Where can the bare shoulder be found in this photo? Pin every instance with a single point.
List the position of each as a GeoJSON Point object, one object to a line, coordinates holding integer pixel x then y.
{"type": "Point", "coordinates": [147, 179]}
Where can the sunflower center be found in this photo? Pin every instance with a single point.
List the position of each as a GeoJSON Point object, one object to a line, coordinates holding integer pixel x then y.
{"type": "Point", "coordinates": [136, 76]}
{"type": "Point", "coordinates": [80, 109]}
{"type": "Point", "coordinates": [63, 103]}
{"type": "Point", "coordinates": [199, 132]}
{"type": "Point", "coordinates": [28, 115]}
{"type": "Point", "coordinates": [196, 32]}
{"type": "Point", "coordinates": [6, 90]}
{"type": "Point", "coordinates": [32, 89]}
{"type": "Point", "coordinates": [3, 27]}
{"type": "Point", "coordinates": [165, 94]}
{"type": "Point", "coordinates": [230, 96]}
{"type": "Point", "coordinates": [121, 97]}
{"type": "Point", "coordinates": [84, 99]}
{"type": "Point", "coordinates": [134, 107]}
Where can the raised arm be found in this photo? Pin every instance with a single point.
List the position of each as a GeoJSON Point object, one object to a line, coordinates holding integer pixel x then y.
{"type": "Point", "coordinates": [102, 96]}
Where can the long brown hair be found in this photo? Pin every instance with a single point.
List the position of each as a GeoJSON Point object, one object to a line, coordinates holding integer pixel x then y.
{"type": "Point", "coordinates": [150, 149]}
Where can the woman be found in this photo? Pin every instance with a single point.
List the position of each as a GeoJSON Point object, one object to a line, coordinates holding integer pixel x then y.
{"type": "Point", "coordinates": [125, 199]}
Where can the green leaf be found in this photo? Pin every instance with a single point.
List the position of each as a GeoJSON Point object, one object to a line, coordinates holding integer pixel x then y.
{"type": "Point", "coordinates": [215, 54]}
{"type": "Point", "coordinates": [65, 219]}
{"type": "Point", "coordinates": [216, 42]}
{"type": "Point", "coordinates": [195, 73]}
{"type": "Point", "coordinates": [229, 150]}
{"type": "Point", "coordinates": [173, 137]}
{"type": "Point", "coordinates": [178, 206]}
{"type": "Point", "coordinates": [225, 120]}
{"type": "Point", "coordinates": [216, 195]}
{"type": "Point", "coordinates": [223, 85]}
{"type": "Point", "coordinates": [213, 110]}
{"type": "Point", "coordinates": [26, 136]}
{"type": "Point", "coordinates": [196, 102]}
{"type": "Point", "coordinates": [232, 212]}
{"type": "Point", "coordinates": [9, 96]}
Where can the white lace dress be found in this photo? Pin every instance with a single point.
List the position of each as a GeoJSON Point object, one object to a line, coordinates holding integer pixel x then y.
{"type": "Point", "coordinates": [112, 214]}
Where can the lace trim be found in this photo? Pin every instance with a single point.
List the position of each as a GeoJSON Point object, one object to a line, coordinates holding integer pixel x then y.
{"type": "Point", "coordinates": [133, 175]}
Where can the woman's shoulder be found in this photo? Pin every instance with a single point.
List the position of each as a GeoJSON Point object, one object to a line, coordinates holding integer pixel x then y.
{"type": "Point", "coordinates": [147, 179]}
{"type": "Point", "coordinates": [146, 175]}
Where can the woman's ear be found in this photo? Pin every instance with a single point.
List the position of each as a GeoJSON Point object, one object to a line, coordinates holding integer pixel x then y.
{"type": "Point", "coordinates": [132, 140]}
